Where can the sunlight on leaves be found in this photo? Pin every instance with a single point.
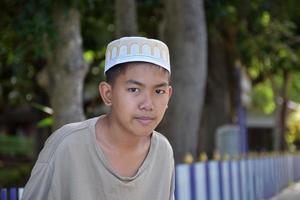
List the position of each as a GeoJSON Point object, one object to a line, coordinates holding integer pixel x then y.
{"type": "Point", "coordinates": [89, 56]}
{"type": "Point", "coordinates": [262, 98]}
{"type": "Point", "coordinates": [42, 108]}
{"type": "Point", "coordinates": [293, 124]}
{"type": "Point", "coordinates": [47, 122]}
{"type": "Point", "coordinates": [265, 19]}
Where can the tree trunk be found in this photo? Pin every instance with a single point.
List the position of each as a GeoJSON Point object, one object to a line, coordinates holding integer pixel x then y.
{"type": "Point", "coordinates": [66, 69]}
{"type": "Point", "coordinates": [216, 110]}
{"type": "Point", "coordinates": [125, 18]}
{"type": "Point", "coordinates": [281, 114]}
{"type": "Point", "coordinates": [185, 34]}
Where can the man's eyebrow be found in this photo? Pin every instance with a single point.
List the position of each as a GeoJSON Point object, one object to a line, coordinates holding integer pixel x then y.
{"type": "Point", "coordinates": [165, 84]}
{"type": "Point", "coordinates": [131, 81]}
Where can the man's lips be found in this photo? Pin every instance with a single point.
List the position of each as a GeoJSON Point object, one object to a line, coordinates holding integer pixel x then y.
{"type": "Point", "coordinates": [145, 120]}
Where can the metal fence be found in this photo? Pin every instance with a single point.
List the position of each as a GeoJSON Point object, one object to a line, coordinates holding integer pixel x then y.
{"type": "Point", "coordinates": [237, 179]}
{"type": "Point", "coordinates": [11, 193]}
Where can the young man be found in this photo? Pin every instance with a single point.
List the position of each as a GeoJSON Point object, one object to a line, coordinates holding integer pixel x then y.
{"type": "Point", "coordinates": [117, 156]}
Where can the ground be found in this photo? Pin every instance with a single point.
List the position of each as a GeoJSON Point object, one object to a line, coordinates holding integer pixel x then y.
{"type": "Point", "coordinates": [290, 193]}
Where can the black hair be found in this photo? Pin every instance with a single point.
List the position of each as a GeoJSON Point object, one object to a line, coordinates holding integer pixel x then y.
{"type": "Point", "coordinates": [115, 71]}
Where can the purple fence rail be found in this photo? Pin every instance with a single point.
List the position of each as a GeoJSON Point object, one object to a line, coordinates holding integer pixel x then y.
{"type": "Point", "coordinates": [11, 193]}
{"type": "Point", "coordinates": [243, 179]}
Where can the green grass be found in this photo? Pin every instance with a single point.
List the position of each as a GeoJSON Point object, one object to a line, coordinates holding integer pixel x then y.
{"type": "Point", "coordinates": [16, 153]}
{"type": "Point", "coordinates": [16, 146]}
{"type": "Point", "coordinates": [14, 175]}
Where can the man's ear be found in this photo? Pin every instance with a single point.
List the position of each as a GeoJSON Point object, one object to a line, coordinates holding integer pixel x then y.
{"type": "Point", "coordinates": [105, 91]}
{"type": "Point", "coordinates": [170, 91]}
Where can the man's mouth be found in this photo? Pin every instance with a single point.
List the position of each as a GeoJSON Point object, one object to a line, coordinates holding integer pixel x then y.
{"type": "Point", "coordinates": [145, 120]}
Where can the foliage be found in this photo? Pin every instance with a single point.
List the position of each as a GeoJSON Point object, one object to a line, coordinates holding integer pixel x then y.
{"type": "Point", "coordinates": [46, 122]}
{"type": "Point", "coordinates": [150, 15]}
{"type": "Point", "coordinates": [294, 89]}
{"type": "Point", "coordinates": [12, 146]}
{"type": "Point", "coordinates": [293, 133]}
{"type": "Point", "coordinates": [263, 98]}
{"type": "Point", "coordinates": [16, 152]}
{"type": "Point", "coordinates": [24, 28]}
{"type": "Point", "coordinates": [267, 42]}
{"type": "Point", "coordinates": [270, 47]}
{"type": "Point", "coordinates": [21, 50]}
{"type": "Point", "coordinates": [14, 174]}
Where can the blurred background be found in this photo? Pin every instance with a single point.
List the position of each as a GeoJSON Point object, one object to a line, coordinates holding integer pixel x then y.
{"type": "Point", "coordinates": [235, 73]}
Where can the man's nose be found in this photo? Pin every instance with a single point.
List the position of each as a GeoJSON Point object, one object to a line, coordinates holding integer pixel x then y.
{"type": "Point", "coordinates": [147, 102]}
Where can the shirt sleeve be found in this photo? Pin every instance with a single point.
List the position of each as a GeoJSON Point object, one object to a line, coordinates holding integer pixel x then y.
{"type": "Point", "coordinates": [39, 184]}
{"type": "Point", "coordinates": [172, 189]}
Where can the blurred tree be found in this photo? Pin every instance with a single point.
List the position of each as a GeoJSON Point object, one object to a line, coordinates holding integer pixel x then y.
{"type": "Point", "coordinates": [20, 53]}
{"type": "Point", "coordinates": [34, 42]}
{"type": "Point", "coordinates": [262, 34]}
{"type": "Point", "coordinates": [185, 33]}
{"type": "Point", "coordinates": [125, 18]}
{"type": "Point", "coordinates": [66, 68]}
{"type": "Point", "coordinates": [288, 58]}
{"type": "Point", "coordinates": [220, 93]}
{"type": "Point", "coordinates": [293, 133]}
{"type": "Point", "coordinates": [48, 34]}
{"type": "Point", "coordinates": [271, 54]}
{"type": "Point", "coordinates": [257, 33]}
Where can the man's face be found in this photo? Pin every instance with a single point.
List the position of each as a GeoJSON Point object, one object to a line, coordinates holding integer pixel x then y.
{"type": "Point", "coordinates": [139, 98]}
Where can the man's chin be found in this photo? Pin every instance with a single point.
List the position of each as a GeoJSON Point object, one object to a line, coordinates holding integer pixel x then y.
{"type": "Point", "coordinates": [144, 132]}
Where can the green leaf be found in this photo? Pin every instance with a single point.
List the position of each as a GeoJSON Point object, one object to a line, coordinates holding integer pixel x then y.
{"type": "Point", "coordinates": [47, 122]}
{"type": "Point", "coordinates": [89, 56]}
{"type": "Point", "coordinates": [265, 19]}
{"type": "Point", "coordinates": [42, 108]}
{"type": "Point", "coordinates": [262, 98]}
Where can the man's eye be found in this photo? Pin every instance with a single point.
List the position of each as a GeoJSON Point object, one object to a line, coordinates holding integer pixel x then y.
{"type": "Point", "coordinates": [133, 90]}
{"type": "Point", "coordinates": [160, 91]}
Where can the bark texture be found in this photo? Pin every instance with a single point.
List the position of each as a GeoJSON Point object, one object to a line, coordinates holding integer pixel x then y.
{"type": "Point", "coordinates": [185, 34]}
{"type": "Point", "coordinates": [125, 18]}
{"type": "Point", "coordinates": [281, 113]}
{"type": "Point", "coordinates": [216, 111]}
{"type": "Point", "coordinates": [66, 69]}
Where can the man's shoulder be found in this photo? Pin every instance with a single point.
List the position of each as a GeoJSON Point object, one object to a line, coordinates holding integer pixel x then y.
{"type": "Point", "coordinates": [67, 131]}
{"type": "Point", "coordinates": [61, 137]}
{"type": "Point", "coordinates": [163, 142]}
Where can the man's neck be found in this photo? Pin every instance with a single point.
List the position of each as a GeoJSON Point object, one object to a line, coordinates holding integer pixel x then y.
{"type": "Point", "coordinates": [124, 152]}
{"type": "Point", "coordinates": [111, 135]}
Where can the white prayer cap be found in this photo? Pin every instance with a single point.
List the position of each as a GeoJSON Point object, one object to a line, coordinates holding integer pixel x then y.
{"type": "Point", "coordinates": [137, 49]}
